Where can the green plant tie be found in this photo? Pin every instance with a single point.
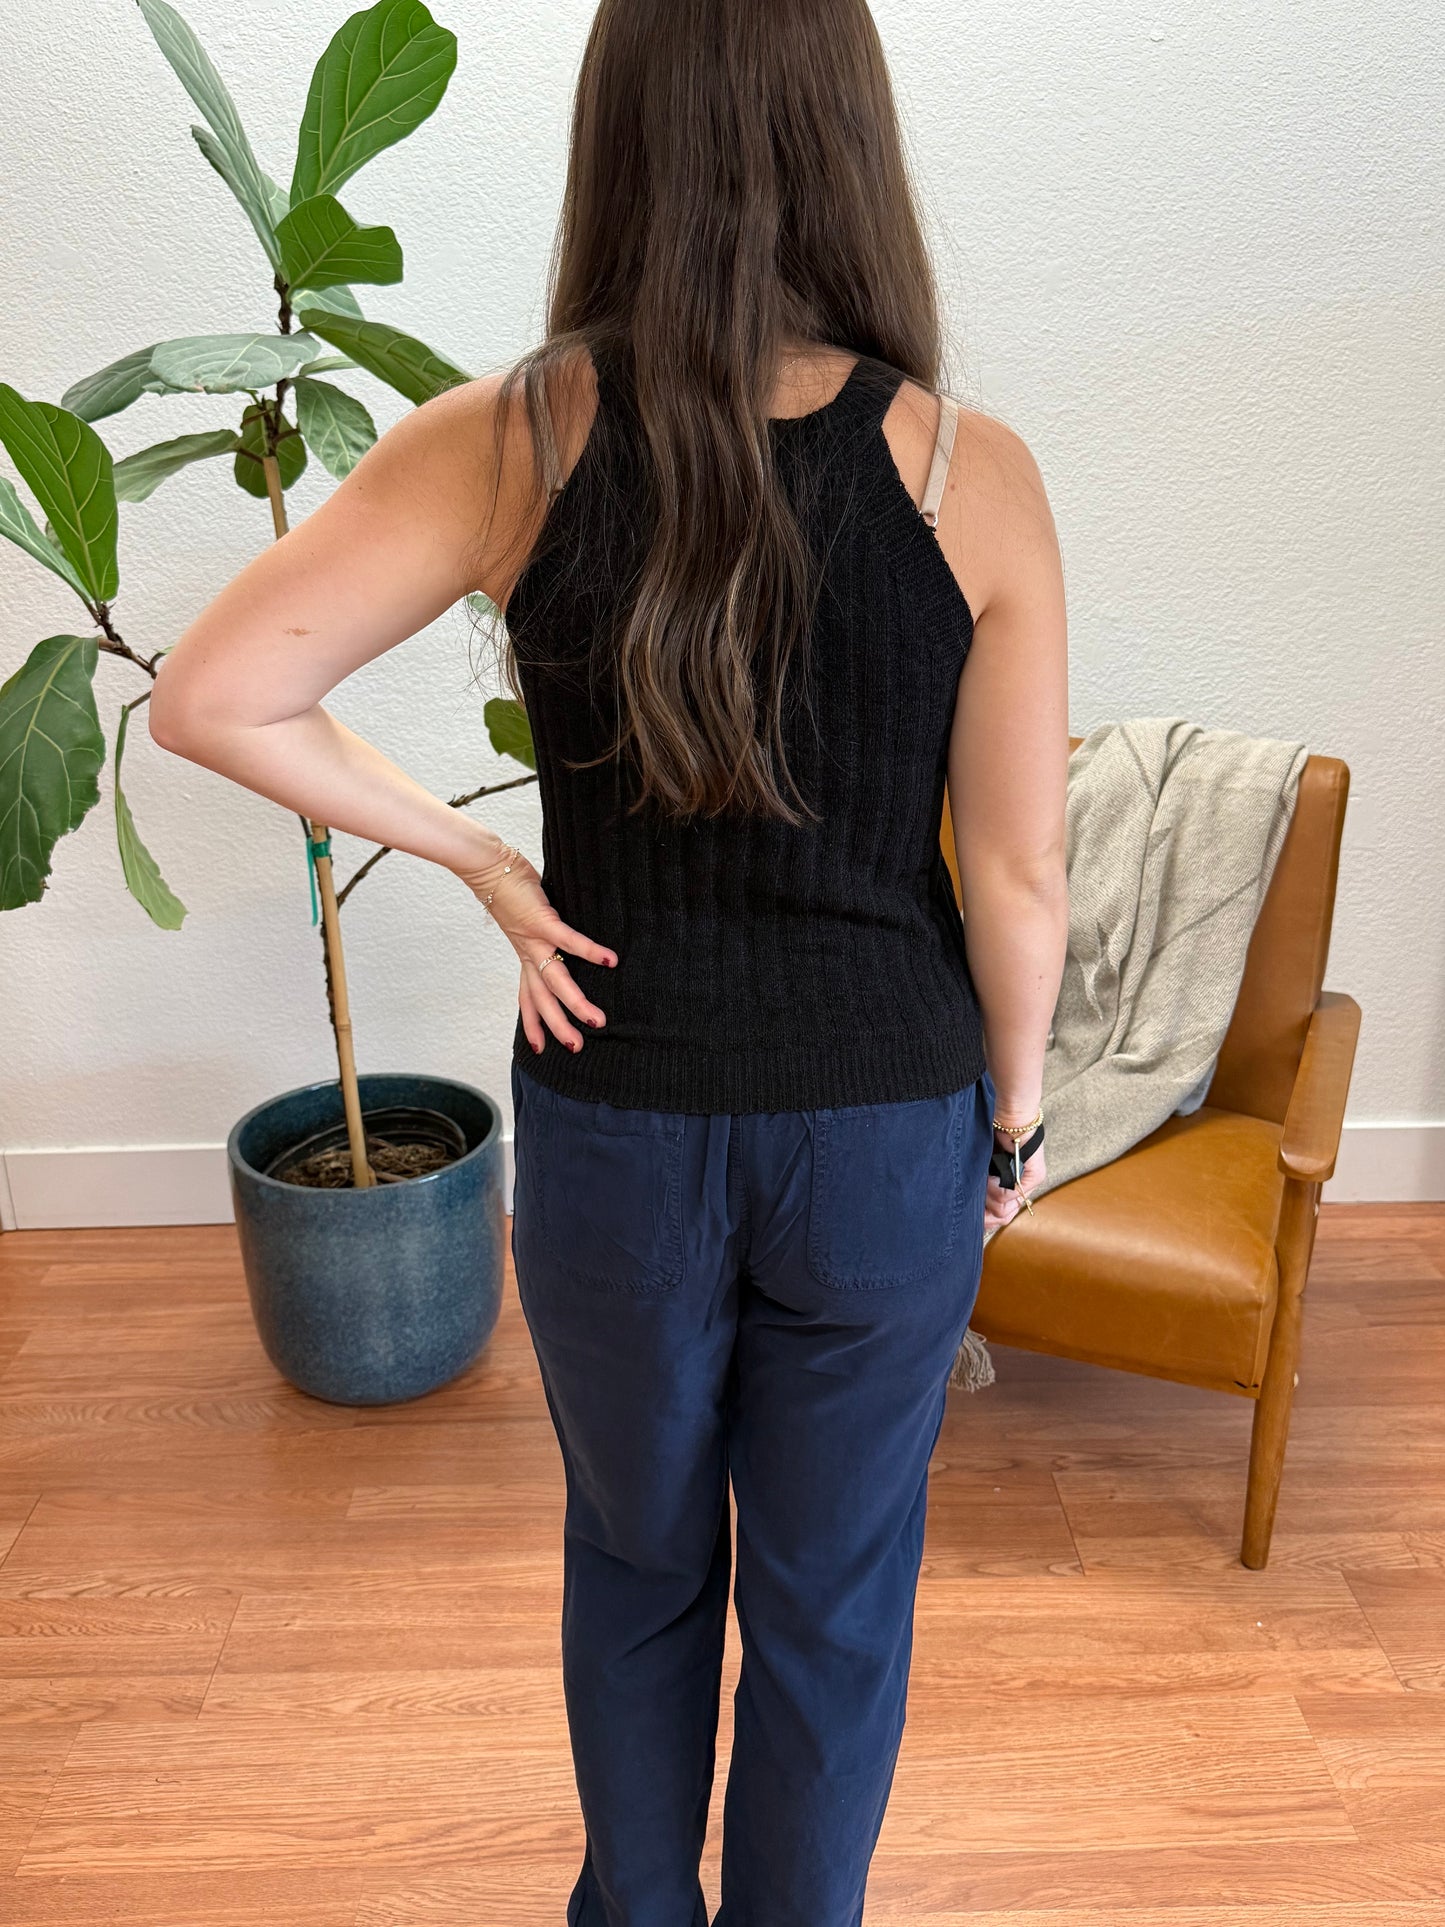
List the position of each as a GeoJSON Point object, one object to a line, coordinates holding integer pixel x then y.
{"type": "Point", "coordinates": [315, 848]}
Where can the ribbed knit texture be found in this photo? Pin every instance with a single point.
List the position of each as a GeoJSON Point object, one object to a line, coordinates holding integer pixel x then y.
{"type": "Point", "coordinates": [761, 967]}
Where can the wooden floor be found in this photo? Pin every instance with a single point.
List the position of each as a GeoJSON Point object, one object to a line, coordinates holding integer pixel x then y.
{"type": "Point", "coordinates": [265, 1660]}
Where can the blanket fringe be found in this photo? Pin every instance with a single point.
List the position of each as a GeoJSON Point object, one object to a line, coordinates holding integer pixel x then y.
{"type": "Point", "coordinates": [972, 1368]}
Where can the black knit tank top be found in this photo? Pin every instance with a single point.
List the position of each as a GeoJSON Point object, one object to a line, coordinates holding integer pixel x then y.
{"type": "Point", "coordinates": [761, 967]}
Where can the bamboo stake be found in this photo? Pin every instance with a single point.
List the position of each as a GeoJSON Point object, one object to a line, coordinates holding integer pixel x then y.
{"type": "Point", "coordinates": [274, 492]}
{"type": "Point", "coordinates": [361, 1172]}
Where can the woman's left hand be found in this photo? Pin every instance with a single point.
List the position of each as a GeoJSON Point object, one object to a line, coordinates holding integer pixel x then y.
{"type": "Point", "coordinates": [1001, 1207]}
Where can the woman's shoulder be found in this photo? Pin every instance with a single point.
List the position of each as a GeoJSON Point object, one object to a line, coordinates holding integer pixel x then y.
{"type": "Point", "coordinates": [984, 441]}
{"type": "Point", "coordinates": [490, 411]}
{"type": "Point", "coordinates": [470, 459]}
{"type": "Point", "coordinates": [995, 516]}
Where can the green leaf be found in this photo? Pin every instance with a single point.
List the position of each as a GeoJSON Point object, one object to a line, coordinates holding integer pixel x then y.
{"type": "Point", "coordinates": [51, 750]}
{"type": "Point", "coordinates": [68, 468]}
{"type": "Point", "coordinates": [142, 873]}
{"type": "Point", "coordinates": [257, 212]}
{"type": "Point", "coordinates": [227, 364]}
{"type": "Point", "coordinates": [384, 72]}
{"type": "Point", "coordinates": [326, 365]}
{"type": "Point", "coordinates": [278, 201]}
{"type": "Point", "coordinates": [111, 388]}
{"type": "Point", "coordinates": [334, 301]}
{"type": "Point", "coordinates": [250, 447]}
{"type": "Point", "coordinates": [321, 247]}
{"type": "Point", "coordinates": [336, 426]}
{"type": "Point", "coordinates": [228, 150]}
{"type": "Point", "coordinates": [401, 361]}
{"type": "Point", "coordinates": [20, 526]}
{"type": "Point", "coordinates": [140, 475]}
{"type": "Point", "coordinates": [509, 729]}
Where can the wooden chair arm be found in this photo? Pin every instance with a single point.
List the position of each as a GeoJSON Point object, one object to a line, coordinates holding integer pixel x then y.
{"type": "Point", "coordinates": [1316, 1114]}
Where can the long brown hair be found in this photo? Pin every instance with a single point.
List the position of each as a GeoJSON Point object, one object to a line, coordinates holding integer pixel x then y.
{"type": "Point", "coordinates": [736, 177]}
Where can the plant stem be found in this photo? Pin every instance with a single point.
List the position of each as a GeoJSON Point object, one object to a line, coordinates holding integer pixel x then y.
{"type": "Point", "coordinates": [115, 645]}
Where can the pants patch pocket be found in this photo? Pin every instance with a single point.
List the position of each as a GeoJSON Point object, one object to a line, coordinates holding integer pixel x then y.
{"type": "Point", "coordinates": [607, 1184]}
{"type": "Point", "coordinates": [886, 1191]}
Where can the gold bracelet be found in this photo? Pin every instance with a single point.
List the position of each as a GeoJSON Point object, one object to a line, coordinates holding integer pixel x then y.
{"type": "Point", "coordinates": [1020, 1130]}
{"type": "Point", "coordinates": [512, 854]}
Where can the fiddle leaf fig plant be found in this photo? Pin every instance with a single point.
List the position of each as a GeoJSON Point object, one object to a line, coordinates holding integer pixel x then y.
{"type": "Point", "coordinates": [384, 72]}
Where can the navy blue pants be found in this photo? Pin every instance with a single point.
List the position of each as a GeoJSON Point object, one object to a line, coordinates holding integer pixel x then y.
{"type": "Point", "coordinates": [775, 1298]}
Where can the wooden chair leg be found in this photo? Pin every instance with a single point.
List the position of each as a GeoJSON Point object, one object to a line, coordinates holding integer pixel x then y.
{"type": "Point", "coordinates": [1275, 1404]}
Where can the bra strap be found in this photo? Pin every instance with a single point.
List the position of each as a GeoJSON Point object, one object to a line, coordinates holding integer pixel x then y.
{"type": "Point", "coordinates": [942, 456]}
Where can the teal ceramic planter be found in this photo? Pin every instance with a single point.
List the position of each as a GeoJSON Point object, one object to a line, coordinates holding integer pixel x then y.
{"type": "Point", "coordinates": [371, 1297]}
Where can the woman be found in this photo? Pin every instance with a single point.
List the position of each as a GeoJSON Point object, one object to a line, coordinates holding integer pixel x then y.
{"type": "Point", "coordinates": [758, 616]}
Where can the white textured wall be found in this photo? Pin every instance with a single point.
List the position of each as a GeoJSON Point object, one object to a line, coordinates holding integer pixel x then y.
{"type": "Point", "coordinates": [1192, 253]}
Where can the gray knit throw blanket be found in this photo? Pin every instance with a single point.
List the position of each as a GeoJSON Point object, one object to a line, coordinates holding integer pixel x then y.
{"type": "Point", "coordinates": [1173, 831]}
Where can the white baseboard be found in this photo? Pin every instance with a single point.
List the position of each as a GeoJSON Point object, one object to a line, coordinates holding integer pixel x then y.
{"type": "Point", "coordinates": [187, 1183]}
{"type": "Point", "coordinates": [7, 1203]}
{"type": "Point", "coordinates": [159, 1184]}
{"type": "Point", "coordinates": [1389, 1164]}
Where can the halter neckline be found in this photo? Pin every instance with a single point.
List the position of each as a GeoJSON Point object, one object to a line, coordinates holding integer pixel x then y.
{"type": "Point", "coordinates": [849, 383]}
{"type": "Point", "coordinates": [610, 376]}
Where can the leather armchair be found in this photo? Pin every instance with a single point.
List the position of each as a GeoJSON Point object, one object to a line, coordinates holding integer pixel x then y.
{"type": "Point", "coordinates": [1187, 1257]}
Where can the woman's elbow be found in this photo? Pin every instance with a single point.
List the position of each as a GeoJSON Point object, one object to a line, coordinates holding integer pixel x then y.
{"type": "Point", "coordinates": [175, 719]}
{"type": "Point", "coordinates": [1039, 872]}
{"type": "Point", "coordinates": [166, 719]}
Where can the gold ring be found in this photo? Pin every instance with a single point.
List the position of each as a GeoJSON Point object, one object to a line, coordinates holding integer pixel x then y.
{"type": "Point", "coordinates": [556, 957]}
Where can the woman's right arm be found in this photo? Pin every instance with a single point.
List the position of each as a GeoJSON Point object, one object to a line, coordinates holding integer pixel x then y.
{"type": "Point", "coordinates": [1008, 766]}
{"type": "Point", "coordinates": [389, 550]}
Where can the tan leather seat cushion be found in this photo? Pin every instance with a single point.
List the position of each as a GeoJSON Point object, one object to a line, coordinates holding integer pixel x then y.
{"type": "Point", "coordinates": [1161, 1261]}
